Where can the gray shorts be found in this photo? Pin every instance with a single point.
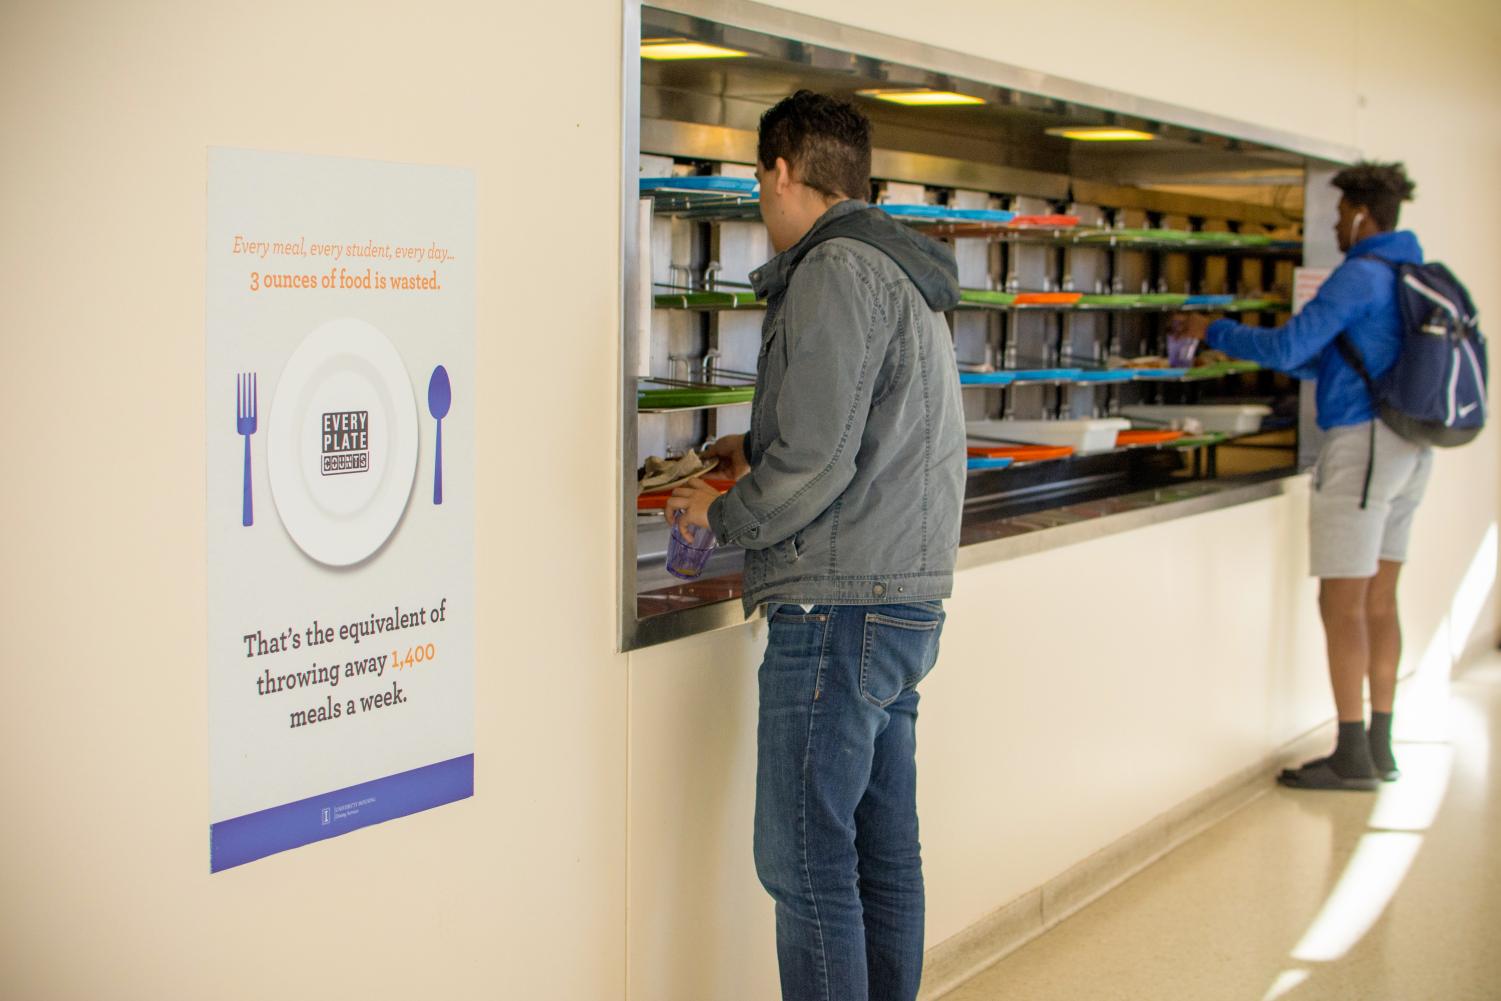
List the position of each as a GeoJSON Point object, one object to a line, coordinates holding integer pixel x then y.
{"type": "Point", "coordinates": [1344, 539]}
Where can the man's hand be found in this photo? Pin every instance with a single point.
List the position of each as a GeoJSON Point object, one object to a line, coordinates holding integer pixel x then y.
{"type": "Point", "coordinates": [730, 450]}
{"type": "Point", "coordinates": [692, 499]}
{"type": "Point", "coordinates": [1195, 325]}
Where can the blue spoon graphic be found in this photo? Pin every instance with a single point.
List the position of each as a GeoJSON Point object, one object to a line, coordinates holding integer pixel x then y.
{"type": "Point", "coordinates": [439, 399]}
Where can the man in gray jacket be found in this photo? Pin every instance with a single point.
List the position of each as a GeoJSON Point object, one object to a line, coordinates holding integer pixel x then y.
{"type": "Point", "coordinates": [848, 498]}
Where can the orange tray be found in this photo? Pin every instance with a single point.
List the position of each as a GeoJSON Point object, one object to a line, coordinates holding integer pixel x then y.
{"type": "Point", "coordinates": [1125, 438]}
{"type": "Point", "coordinates": [1020, 453]}
{"type": "Point", "coordinates": [657, 501]}
{"type": "Point", "coordinates": [1044, 221]}
{"type": "Point", "coordinates": [1048, 298]}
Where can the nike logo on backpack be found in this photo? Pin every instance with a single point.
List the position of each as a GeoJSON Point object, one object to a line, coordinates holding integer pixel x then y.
{"type": "Point", "coordinates": [1464, 411]}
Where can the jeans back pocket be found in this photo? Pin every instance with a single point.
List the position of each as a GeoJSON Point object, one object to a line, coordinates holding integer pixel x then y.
{"type": "Point", "coordinates": [898, 652]}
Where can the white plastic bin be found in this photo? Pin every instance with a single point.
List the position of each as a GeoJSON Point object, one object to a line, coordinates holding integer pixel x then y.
{"type": "Point", "coordinates": [1227, 418]}
{"type": "Point", "coordinates": [1094, 435]}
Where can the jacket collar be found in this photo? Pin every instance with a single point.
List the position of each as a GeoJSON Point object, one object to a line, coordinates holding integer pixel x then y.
{"type": "Point", "coordinates": [771, 279]}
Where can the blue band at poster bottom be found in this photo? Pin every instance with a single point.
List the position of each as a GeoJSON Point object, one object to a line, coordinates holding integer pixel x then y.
{"type": "Point", "coordinates": [256, 835]}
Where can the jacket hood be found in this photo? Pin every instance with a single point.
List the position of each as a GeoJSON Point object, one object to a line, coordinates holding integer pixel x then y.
{"type": "Point", "coordinates": [928, 263]}
{"type": "Point", "coordinates": [1399, 246]}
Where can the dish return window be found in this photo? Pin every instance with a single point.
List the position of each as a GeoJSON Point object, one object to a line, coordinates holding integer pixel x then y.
{"type": "Point", "coordinates": [1070, 283]}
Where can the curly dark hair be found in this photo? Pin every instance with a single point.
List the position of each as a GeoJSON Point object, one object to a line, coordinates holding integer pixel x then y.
{"type": "Point", "coordinates": [825, 141]}
{"type": "Point", "coordinates": [1380, 188]}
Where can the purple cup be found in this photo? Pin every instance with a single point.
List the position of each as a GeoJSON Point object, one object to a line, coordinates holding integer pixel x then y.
{"type": "Point", "coordinates": [1181, 351]}
{"type": "Point", "coordinates": [686, 555]}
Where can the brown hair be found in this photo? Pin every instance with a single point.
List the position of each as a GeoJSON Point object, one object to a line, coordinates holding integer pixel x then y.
{"type": "Point", "coordinates": [824, 140]}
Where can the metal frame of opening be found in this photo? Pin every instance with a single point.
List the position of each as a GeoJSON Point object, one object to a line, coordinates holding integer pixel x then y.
{"type": "Point", "coordinates": [941, 63]}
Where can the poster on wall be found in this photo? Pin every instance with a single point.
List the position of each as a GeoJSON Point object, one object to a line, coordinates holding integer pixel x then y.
{"type": "Point", "coordinates": [340, 436]}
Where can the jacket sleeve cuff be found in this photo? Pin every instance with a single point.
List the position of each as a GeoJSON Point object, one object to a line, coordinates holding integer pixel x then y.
{"type": "Point", "coordinates": [732, 522]}
{"type": "Point", "coordinates": [1216, 329]}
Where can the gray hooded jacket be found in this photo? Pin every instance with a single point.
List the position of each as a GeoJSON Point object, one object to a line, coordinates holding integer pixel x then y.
{"type": "Point", "coordinates": [857, 440]}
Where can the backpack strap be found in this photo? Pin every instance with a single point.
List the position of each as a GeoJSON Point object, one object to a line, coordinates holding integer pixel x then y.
{"type": "Point", "coordinates": [1351, 354]}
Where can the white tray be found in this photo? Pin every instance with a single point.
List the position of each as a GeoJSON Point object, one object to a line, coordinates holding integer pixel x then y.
{"type": "Point", "coordinates": [1094, 435]}
{"type": "Point", "coordinates": [1231, 418]}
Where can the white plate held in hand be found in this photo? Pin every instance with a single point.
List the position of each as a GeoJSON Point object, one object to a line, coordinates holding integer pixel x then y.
{"type": "Point", "coordinates": [343, 444]}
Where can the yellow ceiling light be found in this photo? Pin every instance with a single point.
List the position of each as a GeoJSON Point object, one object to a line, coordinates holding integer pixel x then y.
{"type": "Point", "coordinates": [681, 48]}
{"type": "Point", "coordinates": [1100, 134]}
{"type": "Point", "coordinates": [920, 97]}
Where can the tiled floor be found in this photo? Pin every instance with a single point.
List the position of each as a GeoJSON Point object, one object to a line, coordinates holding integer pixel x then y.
{"type": "Point", "coordinates": [1391, 896]}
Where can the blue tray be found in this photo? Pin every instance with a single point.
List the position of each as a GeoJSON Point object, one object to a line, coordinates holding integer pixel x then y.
{"type": "Point", "coordinates": [1049, 374]}
{"type": "Point", "coordinates": [983, 215]}
{"type": "Point", "coordinates": [1149, 374]}
{"type": "Point", "coordinates": [736, 185]}
{"type": "Point", "coordinates": [982, 463]}
{"type": "Point", "coordinates": [1106, 375]}
{"type": "Point", "coordinates": [1209, 300]}
{"type": "Point", "coordinates": [942, 213]}
{"type": "Point", "coordinates": [986, 378]}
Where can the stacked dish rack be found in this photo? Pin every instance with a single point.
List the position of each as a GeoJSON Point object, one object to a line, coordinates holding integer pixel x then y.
{"type": "Point", "coordinates": [718, 199]}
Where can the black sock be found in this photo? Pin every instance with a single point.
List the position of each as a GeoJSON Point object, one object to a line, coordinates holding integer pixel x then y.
{"type": "Point", "coordinates": [1381, 742]}
{"type": "Point", "coordinates": [1352, 755]}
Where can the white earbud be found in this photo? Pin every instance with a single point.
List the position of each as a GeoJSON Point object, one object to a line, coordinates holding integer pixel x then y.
{"type": "Point", "coordinates": [1354, 225]}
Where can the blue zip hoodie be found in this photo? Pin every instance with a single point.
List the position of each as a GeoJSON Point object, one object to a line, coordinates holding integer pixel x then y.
{"type": "Point", "coordinates": [1358, 298]}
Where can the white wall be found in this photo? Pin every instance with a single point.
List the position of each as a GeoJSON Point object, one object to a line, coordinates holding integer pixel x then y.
{"type": "Point", "coordinates": [1078, 694]}
{"type": "Point", "coordinates": [108, 109]}
{"type": "Point", "coordinates": [591, 766]}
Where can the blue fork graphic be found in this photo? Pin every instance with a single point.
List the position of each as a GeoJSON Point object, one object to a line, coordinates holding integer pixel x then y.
{"type": "Point", "coordinates": [245, 412]}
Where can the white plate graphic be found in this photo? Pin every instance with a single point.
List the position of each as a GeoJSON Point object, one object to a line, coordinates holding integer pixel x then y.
{"type": "Point", "coordinates": [343, 444]}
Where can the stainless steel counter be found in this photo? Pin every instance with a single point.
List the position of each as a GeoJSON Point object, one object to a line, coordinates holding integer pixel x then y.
{"type": "Point", "coordinates": [685, 609]}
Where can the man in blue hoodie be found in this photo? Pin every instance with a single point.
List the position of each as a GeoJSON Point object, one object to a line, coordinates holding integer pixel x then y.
{"type": "Point", "coordinates": [1357, 549]}
{"type": "Point", "coordinates": [848, 497]}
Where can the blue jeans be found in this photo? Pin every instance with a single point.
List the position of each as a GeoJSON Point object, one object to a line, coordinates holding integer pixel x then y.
{"type": "Point", "coordinates": [836, 796]}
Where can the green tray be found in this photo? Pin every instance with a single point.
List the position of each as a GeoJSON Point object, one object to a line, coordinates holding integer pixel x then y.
{"type": "Point", "coordinates": [1214, 238]}
{"type": "Point", "coordinates": [668, 399]}
{"type": "Point", "coordinates": [1220, 369]}
{"type": "Point", "coordinates": [707, 300]}
{"type": "Point", "coordinates": [1162, 299]}
{"type": "Point", "coordinates": [1136, 236]}
{"type": "Point", "coordinates": [1231, 240]}
{"type": "Point", "coordinates": [1109, 299]}
{"type": "Point", "coordinates": [1201, 441]}
{"type": "Point", "coordinates": [985, 298]}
